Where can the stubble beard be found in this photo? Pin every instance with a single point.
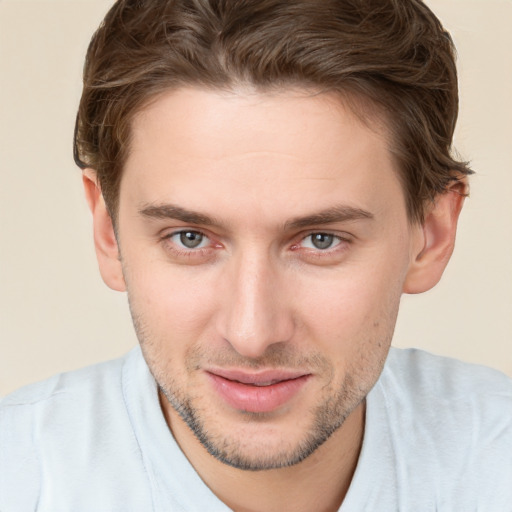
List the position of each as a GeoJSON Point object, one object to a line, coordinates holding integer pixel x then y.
{"type": "Point", "coordinates": [326, 418]}
{"type": "Point", "coordinates": [338, 402]}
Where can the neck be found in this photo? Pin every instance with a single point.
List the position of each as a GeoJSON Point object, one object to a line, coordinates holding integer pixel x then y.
{"type": "Point", "coordinates": [320, 482]}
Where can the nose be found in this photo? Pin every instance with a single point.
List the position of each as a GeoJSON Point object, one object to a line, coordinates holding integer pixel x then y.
{"type": "Point", "coordinates": [256, 311]}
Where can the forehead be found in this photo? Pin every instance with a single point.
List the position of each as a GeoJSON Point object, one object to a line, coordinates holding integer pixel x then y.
{"type": "Point", "coordinates": [249, 148]}
{"type": "Point", "coordinates": [218, 114]}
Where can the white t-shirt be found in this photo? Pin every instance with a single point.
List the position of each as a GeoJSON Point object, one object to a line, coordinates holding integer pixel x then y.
{"type": "Point", "coordinates": [438, 437]}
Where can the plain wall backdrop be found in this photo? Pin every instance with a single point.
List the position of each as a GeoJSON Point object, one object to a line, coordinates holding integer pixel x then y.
{"type": "Point", "coordinates": [55, 312]}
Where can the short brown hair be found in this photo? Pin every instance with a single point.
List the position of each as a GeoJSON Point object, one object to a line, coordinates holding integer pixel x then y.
{"type": "Point", "coordinates": [394, 53]}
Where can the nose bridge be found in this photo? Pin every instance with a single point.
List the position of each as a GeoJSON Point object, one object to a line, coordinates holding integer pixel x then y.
{"type": "Point", "coordinates": [256, 314]}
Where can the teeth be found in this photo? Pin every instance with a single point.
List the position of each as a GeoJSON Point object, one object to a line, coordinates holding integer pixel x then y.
{"type": "Point", "coordinates": [261, 384]}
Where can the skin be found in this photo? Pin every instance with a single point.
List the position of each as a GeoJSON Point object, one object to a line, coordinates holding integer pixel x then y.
{"type": "Point", "coordinates": [304, 249]}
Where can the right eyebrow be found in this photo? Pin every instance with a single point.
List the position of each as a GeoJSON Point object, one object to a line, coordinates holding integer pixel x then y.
{"type": "Point", "coordinates": [170, 211]}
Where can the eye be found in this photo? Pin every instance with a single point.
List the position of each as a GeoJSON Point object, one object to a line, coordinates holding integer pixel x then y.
{"type": "Point", "coordinates": [320, 241]}
{"type": "Point", "coordinates": [189, 239]}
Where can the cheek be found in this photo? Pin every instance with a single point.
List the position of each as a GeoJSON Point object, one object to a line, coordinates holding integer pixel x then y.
{"type": "Point", "coordinates": [354, 308]}
{"type": "Point", "coordinates": [171, 303]}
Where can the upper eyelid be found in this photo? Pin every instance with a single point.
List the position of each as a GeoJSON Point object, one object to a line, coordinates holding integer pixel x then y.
{"type": "Point", "coordinates": [339, 239]}
{"type": "Point", "coordinates": [172, 233]}
{"type": "Point", "coordinates": [340, 235]}
{"type": "Point", "coordinates": [181, 248]}
{"type": "Point", "coordinates": [176, 231]}
{"type": "Point", "coordinates": [341, 242]}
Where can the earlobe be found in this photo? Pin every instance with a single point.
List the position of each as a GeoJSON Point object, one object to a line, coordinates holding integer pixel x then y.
{"type": "Point", "coordinates": [437, 240]}
{"type": "Point", "coordinates": [105, 242]}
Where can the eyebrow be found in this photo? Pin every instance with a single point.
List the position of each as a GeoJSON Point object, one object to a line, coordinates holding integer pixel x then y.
{"type": "Point", "coordinates": [328, 216]}
{"type": "Point", "coordinates": [170, 211]}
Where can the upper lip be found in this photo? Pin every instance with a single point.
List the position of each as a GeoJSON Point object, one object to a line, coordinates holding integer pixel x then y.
{"type": "Point", "coordinates": [265, 376]}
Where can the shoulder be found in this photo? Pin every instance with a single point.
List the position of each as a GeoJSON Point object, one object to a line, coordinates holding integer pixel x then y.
{"type": "Point", "coordinates": [454, 421]}
{"type": "Point", "coordinates": [445, 392]}
{"type": "Point", "coordinates": [66, 398]}
{"type": "Point", "coordinates": [417, 374]}
{"type": "Point", "coordinates": [45, 423]}
{"type": "Point", "coordinates": [62, 385]}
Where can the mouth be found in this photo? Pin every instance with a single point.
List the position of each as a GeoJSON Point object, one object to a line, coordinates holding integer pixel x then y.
{"type": "Point", "coordinates": [260, 392]}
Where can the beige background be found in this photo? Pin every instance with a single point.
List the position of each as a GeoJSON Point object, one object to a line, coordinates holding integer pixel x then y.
{"type": "Point", "coordinates": [56, 314]}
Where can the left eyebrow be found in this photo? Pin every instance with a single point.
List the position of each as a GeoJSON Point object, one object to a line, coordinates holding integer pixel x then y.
{"type": "Point", "coordinates": [331, 215]}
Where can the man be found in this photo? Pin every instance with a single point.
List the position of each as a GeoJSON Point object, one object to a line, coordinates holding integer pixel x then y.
{"type": "Point", "coordinates": [266, 179]}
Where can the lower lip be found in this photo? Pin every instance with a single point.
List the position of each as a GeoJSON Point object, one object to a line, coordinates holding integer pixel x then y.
{"type": "Point", "coordinates": [248, 398]}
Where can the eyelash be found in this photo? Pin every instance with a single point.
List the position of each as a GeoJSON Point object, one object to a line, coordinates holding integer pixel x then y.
{"type": "Point", "coordinates": [337, 240]}
{"type": "Point", "coordinates": [340, 241]}
{"type": "Point", "coordinates": [200, 252]}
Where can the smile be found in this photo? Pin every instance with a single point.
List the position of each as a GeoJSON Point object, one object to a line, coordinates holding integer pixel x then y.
{"type": "Point", "coordinates": [257, 393]}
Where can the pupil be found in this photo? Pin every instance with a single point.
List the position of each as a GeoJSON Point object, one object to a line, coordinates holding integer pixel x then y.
{"type": "Point", "coordinates": [322, 240]}
{"type": "Point", "coordinates": [191, 239]}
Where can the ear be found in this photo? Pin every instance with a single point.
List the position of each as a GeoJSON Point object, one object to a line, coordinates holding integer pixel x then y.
{"type": "Point", "coordinates": [436, 239]}
{"type": "Point", "coordinates": [105, 242]}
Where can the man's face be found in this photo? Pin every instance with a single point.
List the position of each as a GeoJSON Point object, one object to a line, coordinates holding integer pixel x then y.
{"type": "Point", "coordinates": [264, 243]}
